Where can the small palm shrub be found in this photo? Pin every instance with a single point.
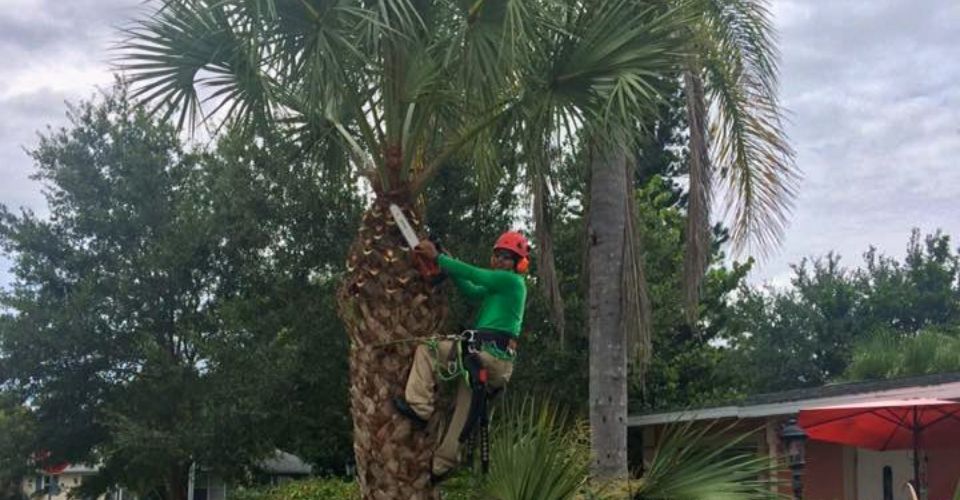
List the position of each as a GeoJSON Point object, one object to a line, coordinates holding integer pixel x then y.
{"type": "Point", "coordinates": [537, 453]}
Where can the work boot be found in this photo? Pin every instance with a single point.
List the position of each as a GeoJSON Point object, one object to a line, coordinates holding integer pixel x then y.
{"type": "Point", "coordinates": [436, 479]}
{"type": "Point", "coordinates": [404, 409]}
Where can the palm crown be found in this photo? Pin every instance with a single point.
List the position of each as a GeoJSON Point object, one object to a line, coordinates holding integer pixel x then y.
{"type": "Point", "coordinates": [401, 85]}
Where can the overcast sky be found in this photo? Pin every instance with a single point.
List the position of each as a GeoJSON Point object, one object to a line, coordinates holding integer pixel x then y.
{"type": "Point", "coordinates": [873, 87]}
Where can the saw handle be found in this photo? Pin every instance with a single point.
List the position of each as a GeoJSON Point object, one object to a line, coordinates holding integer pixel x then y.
{"type": "Point", "coordinates": [425, 261]}
{"type": "Point", "coordinates": [427, 267]}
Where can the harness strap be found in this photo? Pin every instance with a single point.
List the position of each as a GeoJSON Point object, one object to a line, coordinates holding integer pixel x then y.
{"type": "Point", "coordinates": [478, 398]}
{"type": "Point", "coordinates": [464, 359]}
{"type": "Point", "coordinates": [503, 340]}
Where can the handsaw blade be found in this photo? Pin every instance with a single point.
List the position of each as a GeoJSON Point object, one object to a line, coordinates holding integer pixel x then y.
{"type": "Point", "coordinates": [405, 228]}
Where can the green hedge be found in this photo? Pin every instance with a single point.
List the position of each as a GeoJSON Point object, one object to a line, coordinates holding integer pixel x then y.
{"type": "Point", "coordinates": [309, 489]}
{"type": "Point", "coordinates": [337, 489]}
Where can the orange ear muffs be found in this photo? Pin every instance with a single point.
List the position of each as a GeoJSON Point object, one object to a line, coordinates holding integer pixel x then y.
{"type": "Point", "coordinates": [523, 265]}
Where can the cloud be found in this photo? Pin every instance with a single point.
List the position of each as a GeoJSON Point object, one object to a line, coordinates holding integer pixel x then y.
{"type": "Point", "coordinates": [53, 51]}
{"type": "Point", "coordinates": [871, 86]}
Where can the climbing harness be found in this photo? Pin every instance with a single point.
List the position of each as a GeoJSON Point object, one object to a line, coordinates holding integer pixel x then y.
{"type": "Point", "coordinates": [464, 361]}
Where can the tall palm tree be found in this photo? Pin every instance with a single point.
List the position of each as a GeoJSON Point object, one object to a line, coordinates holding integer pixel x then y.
{"type": "Point", "coordinates": [729, 76]}
{"type": "Point", "coordinates": [392, 89]}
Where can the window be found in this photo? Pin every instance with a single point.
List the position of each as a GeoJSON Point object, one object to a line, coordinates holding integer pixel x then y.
{"type": "Point", "coordinates": [42, 483]}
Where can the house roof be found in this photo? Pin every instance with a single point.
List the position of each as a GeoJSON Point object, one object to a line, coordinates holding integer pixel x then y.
{"type": "Point", "coordinates": [938, 386]}
{"type": "Point", "coordinates": [285, 463]}
{"type": "Point", "coordinates": [80, 469]}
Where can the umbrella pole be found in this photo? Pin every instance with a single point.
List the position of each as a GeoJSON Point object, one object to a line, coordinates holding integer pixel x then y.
{"type": "Point", "coordinates": [916, 455]}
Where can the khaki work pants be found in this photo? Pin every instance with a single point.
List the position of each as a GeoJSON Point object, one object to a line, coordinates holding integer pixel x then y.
{"type": "Point", "coordinates": [421, 395]}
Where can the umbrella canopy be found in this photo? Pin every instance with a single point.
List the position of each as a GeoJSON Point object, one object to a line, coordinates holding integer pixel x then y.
{"type": "Point", "coordinates": [886, 425]}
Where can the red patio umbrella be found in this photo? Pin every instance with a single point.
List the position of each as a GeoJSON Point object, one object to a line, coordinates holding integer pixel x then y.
{"type": "Point", "coordinates": [899, 424]}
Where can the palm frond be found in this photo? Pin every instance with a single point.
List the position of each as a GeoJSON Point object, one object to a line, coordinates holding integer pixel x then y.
{"type": "Point", "coordinates": [637, 307]}
{"type": "Point", "coordinates": [611, 61]}
{"type": "Point", "coordinates": [164, 54]}
{"type": "Point", "coordinates": [744, 29]}
{"type": "Point", "coordinates": [546, 262]}
{"type": "Point", "coordinates": [496, 40]}
{"type": "Point", "coordinates": [469, 132]}
{"type": "Point", "coordinates": [540, 453]}
{"type": "Point", "coordinates": [318, 46]}
{"type": "Point", "coordinates": [755, 163]}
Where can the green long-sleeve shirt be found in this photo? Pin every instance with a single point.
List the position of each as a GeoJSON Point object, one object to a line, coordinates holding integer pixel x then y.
{"type": "Point", "coordinates": [501, 295]}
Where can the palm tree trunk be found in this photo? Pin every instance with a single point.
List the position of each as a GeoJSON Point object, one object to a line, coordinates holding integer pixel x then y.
{"type": "Point", "coordinates": [384, 300]}
{"type": "Point", "coordinates": [696, 256]}
{"type": "Point", "coordinates": [608, 355]}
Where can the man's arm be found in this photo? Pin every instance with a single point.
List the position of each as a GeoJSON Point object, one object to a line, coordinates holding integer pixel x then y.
{"type": "Point", "coordinates": [473, 282]}
{"type": "Point", "coordinates": [478, 277]}
{"type": "Point", "coordinates": [468, 289]}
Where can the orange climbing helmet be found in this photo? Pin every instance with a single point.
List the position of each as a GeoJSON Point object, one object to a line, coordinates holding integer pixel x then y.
{"type": "Point", "coordinates": [515, 242]}
{"type": "Point", "coordinates": [518, 244]}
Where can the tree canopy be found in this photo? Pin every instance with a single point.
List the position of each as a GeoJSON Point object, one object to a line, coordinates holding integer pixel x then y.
{"type": "Point", "coordinates": [167, 310]}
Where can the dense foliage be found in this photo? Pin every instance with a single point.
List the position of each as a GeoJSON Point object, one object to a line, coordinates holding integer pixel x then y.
{"type": "Point", "coordinates": [889, 318]}
{"type": "Point", "coordinates": [173, 305]}
{"type": "Point", "coordinates": [177, 305]}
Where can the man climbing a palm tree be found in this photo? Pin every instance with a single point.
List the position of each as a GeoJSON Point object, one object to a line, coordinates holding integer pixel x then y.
{"type": "Point", "coordinates": [500, 292]}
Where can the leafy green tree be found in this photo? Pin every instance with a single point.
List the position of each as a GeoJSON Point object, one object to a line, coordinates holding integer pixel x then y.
{"type": "Point", "coordinates": [166, 313]}
{"type": "Point", "coordinates": [279, 218]}
{"type": "Point", "coordinates": [110, 294]}
{"type": "Point", "coordinates": [17, 435]}
{"type": "Point", "coordinates": [688, 368]}
{"type": "Point", "coordinates": [799, 337]}
{"type": "Point", "coordinates": [883, 317]}
{"type": "Point", "coordinates": [921, 291]}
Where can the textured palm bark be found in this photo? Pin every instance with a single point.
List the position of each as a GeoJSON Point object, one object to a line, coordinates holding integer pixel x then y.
{"type": "Point", "coordinates": [608, 353]}
{"type": "Point", "coordinates": [386, 306]}
{"type": "Point", "coordinates": [698, 237]}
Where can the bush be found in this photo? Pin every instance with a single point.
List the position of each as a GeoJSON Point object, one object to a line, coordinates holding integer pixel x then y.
{"type": "Point", "coordinates": [457, 488]}
{"type": "Point", "coordinates": [308, 489]}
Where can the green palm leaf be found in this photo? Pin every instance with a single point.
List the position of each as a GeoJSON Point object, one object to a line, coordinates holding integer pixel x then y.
{"type": "Point", "coordinates": [538, 454]}
{"type": "Point", "coordinates": [689, 465]}
{"type": "Point", "coordinates": [737, 61]}
{"type": "Point", "coordinates": [737, 135]}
